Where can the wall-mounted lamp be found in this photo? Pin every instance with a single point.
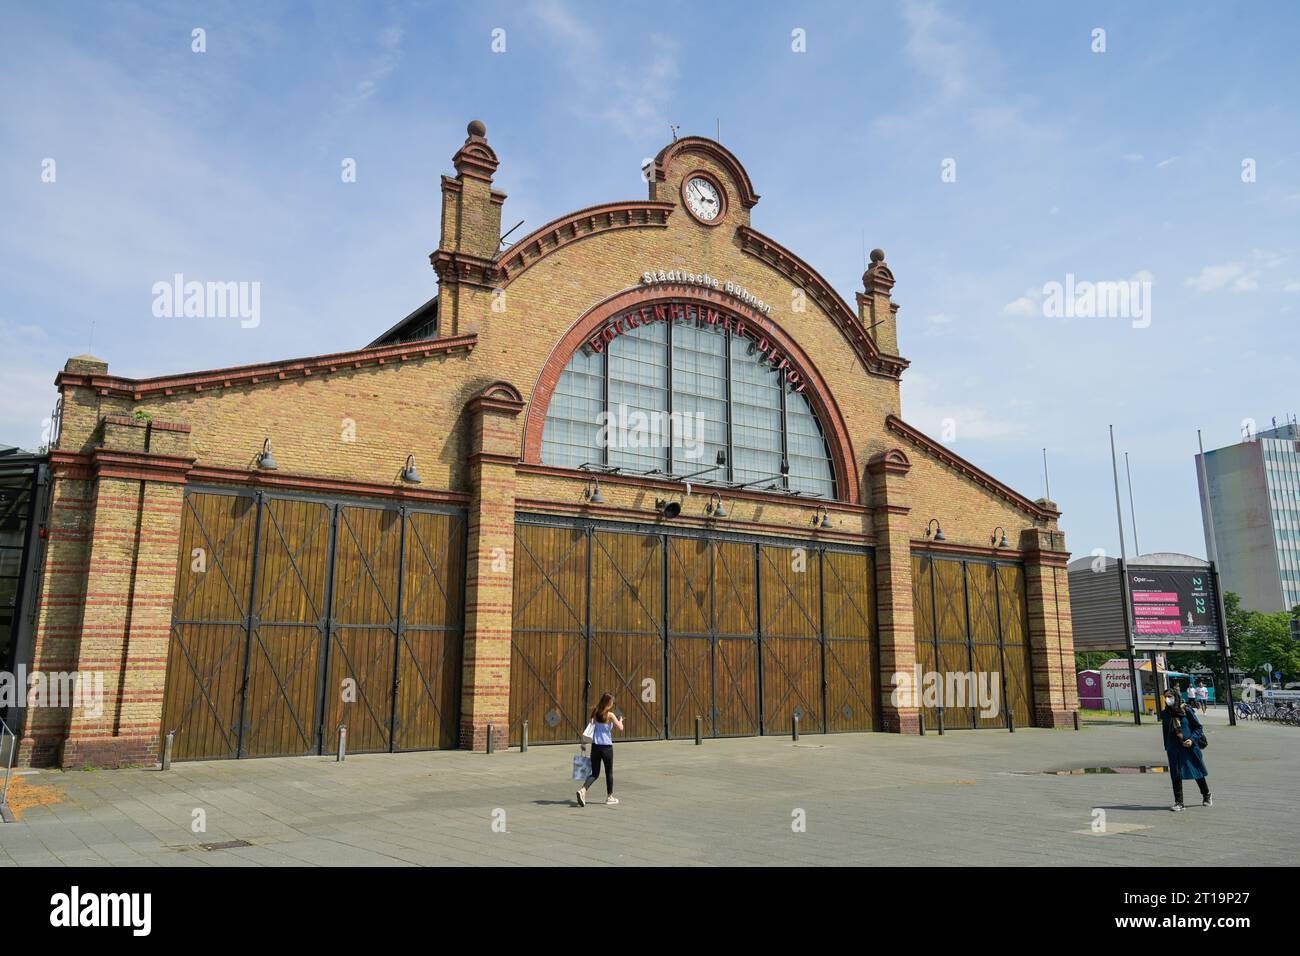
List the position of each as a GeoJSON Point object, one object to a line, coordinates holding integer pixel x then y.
{"type": "Point", "coordinates": [938, 529]}
{"type": "Point", "coordinates": [266, 460]}
{"type": "Point", "coordinates": [821, 518]}
{"type": "Point", "coordinates": [668, 509]}
{"type": "Point", "coordinates": [591, 493]}
{"type": "Point", "coordinates": [409, 473]}
{"type": "Point", "coordinates": [999, 542]}
{"type": "Point", "coordinates": [715, 507]}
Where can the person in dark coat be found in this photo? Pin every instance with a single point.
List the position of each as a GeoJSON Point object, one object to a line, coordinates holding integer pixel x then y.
{"type": "Point", "coordinates": [1181, 731]}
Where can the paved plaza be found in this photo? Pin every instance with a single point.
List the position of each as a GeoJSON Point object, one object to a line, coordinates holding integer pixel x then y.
{"type": "Point", "coordinates": [968, 797]}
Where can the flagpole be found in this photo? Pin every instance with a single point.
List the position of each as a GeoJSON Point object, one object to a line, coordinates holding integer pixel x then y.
{"type": "Point", "coordinates": [1123, 577]}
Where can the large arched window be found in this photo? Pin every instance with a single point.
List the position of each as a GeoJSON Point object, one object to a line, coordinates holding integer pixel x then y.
{"type": "Point", "coordinates": [675, 398]}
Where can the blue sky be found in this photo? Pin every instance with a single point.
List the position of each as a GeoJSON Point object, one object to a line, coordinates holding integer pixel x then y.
{"type": "Point", "coordinates": [1108, 166]}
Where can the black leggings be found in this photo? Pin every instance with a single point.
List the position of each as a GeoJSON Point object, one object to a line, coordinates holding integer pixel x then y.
{"type": "Point", "coordinates": [602, 753]}
{"type": "Point", "coordinates": [1177, 781]}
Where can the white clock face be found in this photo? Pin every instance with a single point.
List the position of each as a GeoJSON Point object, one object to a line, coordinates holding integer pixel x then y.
{"type": "Point", "coordinates": [703, 200]}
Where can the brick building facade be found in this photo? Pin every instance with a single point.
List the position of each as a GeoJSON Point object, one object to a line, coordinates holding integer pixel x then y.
{"type": "Point", "coordinates": [248, 558]}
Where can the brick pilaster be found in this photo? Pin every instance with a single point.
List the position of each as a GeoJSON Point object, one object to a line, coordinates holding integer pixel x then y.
{"type": "Point", "coordinates": [489, 578]}
{"type": "Point", "coordinates": [890, 508]}
{"type": "Point", "coordinates": [105, 606]}
{"type": "Point", "coordinates": [1051, 637]}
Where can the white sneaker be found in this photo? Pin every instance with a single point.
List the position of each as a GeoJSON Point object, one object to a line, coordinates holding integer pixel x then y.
{"type": "Point", "coordinates": [582, 796]}
{"type": "Point", "coordinates": [1208, 801]}
{"type": "Point", "coordinates": [1177, 808]}
{"type": "Point", "coordinates": [611, 801]}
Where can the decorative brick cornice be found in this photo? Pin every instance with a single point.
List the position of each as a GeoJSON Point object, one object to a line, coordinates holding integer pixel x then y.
{"type": "Point", "coordinates": [112, 463]}
{"type": "Point", "coordinates": [669, 487]}
{"type": "Point", "coordinates": [974, 473]}
{"type": "Point", "coordinates": [142, 466]}
{"type": "Point", "coordinates": [715, 151]}
{"type": "Point", "coordinates": [497, 397]}
{"type": "Point", "coordinates": [462, 268]}
{"type": "Point", "coordinates": [649, 518]}
{"type": "Point", "coordinates": [136, 389]}
{"type": "Point", "coordinates": [555, 235]}
{"type": "Point", "coordinates": [930, 546]}
{"type": "Point", "coordinates": [892, 462]}
{"type": "Point", "coordinates": [819, 290]}
{"type": "Point", "coordinates": [332, 486]}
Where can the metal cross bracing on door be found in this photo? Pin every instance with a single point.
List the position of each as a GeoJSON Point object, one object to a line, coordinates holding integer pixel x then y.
{"type": "Point", "coordinates": [295, 613]}
{"type": "Point", "coordinates": [742, 631]}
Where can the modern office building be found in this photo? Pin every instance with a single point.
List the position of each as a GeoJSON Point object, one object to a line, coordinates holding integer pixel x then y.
{"type": "Point", "coordinates": [1253, 492]}
{"type": "Point", "coordinates": [644, 449]}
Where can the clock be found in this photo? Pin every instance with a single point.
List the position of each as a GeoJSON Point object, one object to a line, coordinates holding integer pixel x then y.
{"type": "Point", "coordinates": [703, 199]}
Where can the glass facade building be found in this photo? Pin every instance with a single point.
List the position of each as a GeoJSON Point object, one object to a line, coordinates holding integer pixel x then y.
{"type": "Point", "coordinates": [1253, 490]}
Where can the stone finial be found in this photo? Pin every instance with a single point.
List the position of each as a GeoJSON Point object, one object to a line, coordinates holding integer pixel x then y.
{"type": "Point", "coordinates": [476, 158]}
{"type": "Point", "coordinates": [878, 277]}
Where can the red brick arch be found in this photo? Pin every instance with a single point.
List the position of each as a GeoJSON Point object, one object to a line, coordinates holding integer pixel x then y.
{"type": "Point", "coordinates": [817, 391]}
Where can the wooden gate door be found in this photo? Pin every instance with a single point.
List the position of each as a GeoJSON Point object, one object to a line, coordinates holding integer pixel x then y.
{"type": "Point", "coordinates": [1014, 621]}
{"type": "Point", "coordinates": [283, 678]}
{"type": "Point", "coordinates": [690, 640]}
{"type": "Point", "coordinates": [790, 618]}
{"type": "Point", "coordinates": [362, 652]}
{"type": "Point", "coordinates": [852, 680]}
{"type": "Point", "coordinates": [548, 645]}
{"type": "Point", "coordinates": [205, 660]}
{"type": "Point", "coordinates": [954, 648]}
{"type": "Point", "coordinates": [431, 630]}
{"type": "Point", "coordinates": [927, 651]}
{"type": "Point", "coordinates": [626, 657]}
{"type": "Point", "coordinates": [986, 650]}
{"type": "Point", "coordinates": [735, 646]}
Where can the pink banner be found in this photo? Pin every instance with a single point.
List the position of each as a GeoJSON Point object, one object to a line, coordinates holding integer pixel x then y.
{"type": "Point", "coordinates": [1159, 627]}
{"type": "Point", "coordinates": [1158, 597]}
{"type": "Point", "coordinates": [1156, 610]}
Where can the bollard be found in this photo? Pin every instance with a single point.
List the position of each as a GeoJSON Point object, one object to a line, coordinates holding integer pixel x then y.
{"type": "Point", "coordinates": [1076, 720]}
{"type": "Point", "coordinates": [794, 722]}
{"type": "Point", "coordinates": [489, 740]}
{"type": "Point", "coordinates": [940, 721]}
{"type": "Point", "coordinates": [167, 750]}
{"type": "Point", "coordinates": [699, 730]}
{"type": "Point", "coordinates": [1011, 722]}
{"type": "Point", "coordinates": [920, 723]}
{"type": "Point", "coordinates": [343, 743]}
{"type": "Point", "coordinates": [523, 741]}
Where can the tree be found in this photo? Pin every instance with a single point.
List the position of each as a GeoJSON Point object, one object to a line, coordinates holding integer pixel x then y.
{"type": "Point", "coordinates": [1258, 639]}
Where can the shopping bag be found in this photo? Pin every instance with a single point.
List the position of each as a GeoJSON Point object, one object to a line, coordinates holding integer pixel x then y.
{"type": "Point", "coordinates": [589, 732]}
{"type": "Point", "coordinates": [581, 767]}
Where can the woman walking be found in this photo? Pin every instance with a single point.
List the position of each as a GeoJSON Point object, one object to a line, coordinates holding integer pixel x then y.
{"type": "Point", "coordinates": [603, 722]}
{"type": "Point", "coordinates": [1183, 732]}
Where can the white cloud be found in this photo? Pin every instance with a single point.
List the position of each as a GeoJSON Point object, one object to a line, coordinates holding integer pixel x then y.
{"type": "Point", "coordinates": [1240, 276]}
{"type": "Point", "coordinates": [937, 45]}
{"type": "Point", "coordinates": [1217, 277]}
{"type": "Point", "coordinates": [1132, 157]}
{"type": "Point", "coordinates": [634, 103]}
{"type": "Point", "coordinates": [1027, 304]}
{"type": "Point", "coordinates": [1291, 287]}
{"type": "Point", "coordinates": [1165, 162]}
